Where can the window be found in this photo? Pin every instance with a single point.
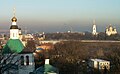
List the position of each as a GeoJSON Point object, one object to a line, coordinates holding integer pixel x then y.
{"type": "Point", "coordinates": [107, 67]}
{"type": "Point", "coordinates": [103, 67]}
{"type": "Point", "coordinates": [4, 62]}
{"type": "Point", "coordinates": [27, 60]}
{"type": "Point", "coordinates": [13, 34]}
{"type": "Point", "coordinates": [100, 63]}
{"type": "Point", "coordinates": [16, 34]}
{"type": "Point", "coordinates": [22, 60]}
{"type": "Point", "coordinates": [100, 67]}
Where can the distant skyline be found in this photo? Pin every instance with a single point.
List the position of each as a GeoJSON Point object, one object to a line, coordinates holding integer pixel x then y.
{"type": "Point", "coordinates": [60, 15]}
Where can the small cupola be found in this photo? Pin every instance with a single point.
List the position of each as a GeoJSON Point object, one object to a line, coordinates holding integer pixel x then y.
{"type": "Point", "coordinates": [47, 61]}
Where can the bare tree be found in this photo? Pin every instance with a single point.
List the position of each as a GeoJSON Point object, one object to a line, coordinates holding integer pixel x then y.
{"type": "Point", "coordinates": [7, 61]}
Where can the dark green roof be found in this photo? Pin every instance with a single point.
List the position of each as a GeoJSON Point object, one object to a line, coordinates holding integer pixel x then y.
{"type": "Point", "coordinates": [46, 69]}
{"type": "Point", "coordinates": [13, 46]}
{"type": "Point", "coordinates": [49, 68]}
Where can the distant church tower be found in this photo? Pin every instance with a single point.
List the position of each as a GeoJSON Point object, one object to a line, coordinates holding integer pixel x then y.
{"type": "Point", "coordinates": [14, 30]}
{"type": "Point", "coordinates": [94, 28]}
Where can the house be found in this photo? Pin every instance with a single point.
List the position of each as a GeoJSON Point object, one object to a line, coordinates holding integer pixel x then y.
{"type": "Point", "coordinates": [99, 64]}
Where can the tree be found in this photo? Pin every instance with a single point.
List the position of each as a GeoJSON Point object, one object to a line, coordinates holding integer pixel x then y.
{"type": "Point", "coordinates": [68, 56]}
{"type": "Point", "coordinates": [7, 61]}
{"type": "Point", "coordinates": [30, 45]}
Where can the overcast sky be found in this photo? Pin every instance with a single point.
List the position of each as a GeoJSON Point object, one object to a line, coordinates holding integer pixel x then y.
{"type": "Point", "coordinates": [60, 15]}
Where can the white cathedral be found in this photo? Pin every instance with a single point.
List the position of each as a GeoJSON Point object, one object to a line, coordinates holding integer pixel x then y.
{"type": "Point", "coordinates": [110, 30]}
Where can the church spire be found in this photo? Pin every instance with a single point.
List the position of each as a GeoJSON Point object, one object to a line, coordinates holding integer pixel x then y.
{"type": "Point", "coordinates": [14, 19]}
{"type": "Point", "coordinates": [14, 34]}
{"type": "Point", "coordinates": [13, 45]}
{"type": "Point", "coordinates": [94, 32]}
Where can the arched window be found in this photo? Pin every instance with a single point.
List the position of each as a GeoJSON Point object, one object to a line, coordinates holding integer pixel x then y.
{"type": "Point", "coordinates": [27, 60]}
{"type": "Point", "coordinates": [4, 62]}
{"type": "Point", "coordinates": [22, 60]}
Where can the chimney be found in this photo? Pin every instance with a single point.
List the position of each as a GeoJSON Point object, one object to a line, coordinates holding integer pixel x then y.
{"type": "Point", "coordinates": [46, 61]}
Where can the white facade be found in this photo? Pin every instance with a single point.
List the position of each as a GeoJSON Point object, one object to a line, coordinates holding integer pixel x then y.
{"type": "Point", "coordinates": [99, 64]}
{"type": "Point", "coordinates": [14, 23]}
{"type": "Point", "coordinates": [29, 36]}
{"type": "Point", "coordinates": [50, 41]}
{"type": "Point", "coordinates": [110, 30]}
{"type": "Point", "coordinates": [27, 64]}
{"type": "Point", "coordinates": [14, 34]}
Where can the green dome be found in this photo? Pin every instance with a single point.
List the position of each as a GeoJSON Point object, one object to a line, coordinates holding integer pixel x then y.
{"type": "Point", "coordinates": [49, 68]}
{"type": "Point", "coordinates": [13, 46]}
{"type": "Point", "coordinates": [46, 69]}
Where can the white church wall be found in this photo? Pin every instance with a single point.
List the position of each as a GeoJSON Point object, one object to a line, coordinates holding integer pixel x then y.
{"type": "Point", "coordinates": [26, 69]}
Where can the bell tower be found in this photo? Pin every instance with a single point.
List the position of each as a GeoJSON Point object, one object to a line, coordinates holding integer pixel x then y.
{"type": "Point", "coordinates": [14, 31]}
{"type": "Point", "coordinates": [94, 32]}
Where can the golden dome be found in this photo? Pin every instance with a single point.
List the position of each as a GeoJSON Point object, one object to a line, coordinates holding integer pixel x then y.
{"type": "Point", "coordinates": [14, 19]}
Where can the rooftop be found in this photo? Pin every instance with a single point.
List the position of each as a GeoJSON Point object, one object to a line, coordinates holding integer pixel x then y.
{"type": "Point", "coordinates": [99, 60]}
